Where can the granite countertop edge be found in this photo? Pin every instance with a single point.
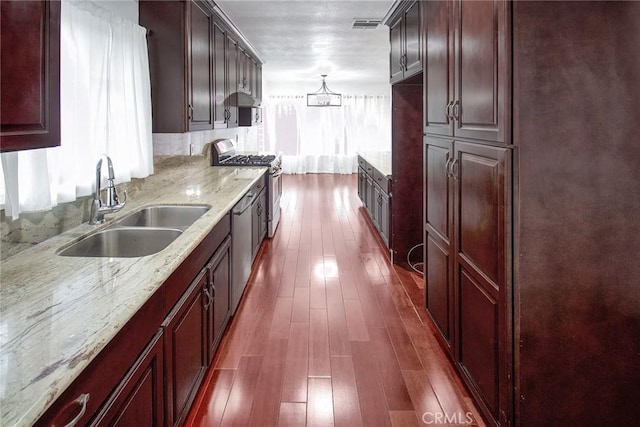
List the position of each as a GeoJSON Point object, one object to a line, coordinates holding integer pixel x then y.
{"type": "Point", "coordinates": [380, 160]}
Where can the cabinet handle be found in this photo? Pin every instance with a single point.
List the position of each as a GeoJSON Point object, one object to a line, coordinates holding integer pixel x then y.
{"type": "Point", "coordinates": [81, 400]}
{"type": "Point", "coordinates": [448, 110]}
{"type": "Point", "coordinates": [213, 291]}
{"type": "Point", "coordinates": [209, 299]}
{"type": "Point", "coordinates": [454, 169]}
{"type": "Point", "coordinates": [456, 110]}
{"type": "Point", "coordinates": [190, 112]}
{"type": "Point", "coordinates": [448, 166]}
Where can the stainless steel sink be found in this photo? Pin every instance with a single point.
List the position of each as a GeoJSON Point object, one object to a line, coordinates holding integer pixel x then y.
{"type": "Point", "coordinates": [124, 242]}
{"type": "Point", "coordinates": [170, 216]}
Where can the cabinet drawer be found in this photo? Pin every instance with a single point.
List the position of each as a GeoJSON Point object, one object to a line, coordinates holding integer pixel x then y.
{"type": "Point", "coordinates": [382, 181]}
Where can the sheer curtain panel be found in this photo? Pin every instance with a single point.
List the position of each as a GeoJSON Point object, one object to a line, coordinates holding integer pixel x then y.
{"type": "Point", "coordinates": [105, 109]}
{"type": "Point", "coordinates": [326, 139]}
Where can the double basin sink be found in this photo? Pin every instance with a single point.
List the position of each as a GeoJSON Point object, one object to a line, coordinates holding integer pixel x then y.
{"type": "Point", "coordinates": [141, 233]}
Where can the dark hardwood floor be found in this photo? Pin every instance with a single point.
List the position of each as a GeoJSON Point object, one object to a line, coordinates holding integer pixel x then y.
{"type": "Point", "coordinates": [329, 332]}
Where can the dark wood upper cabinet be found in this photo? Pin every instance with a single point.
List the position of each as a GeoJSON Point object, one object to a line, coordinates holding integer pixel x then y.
{"type": "Point", "coordinates": [30, 70]}
{"type": "Point", "coordinates": [232, 82]}
{"type": "Point", "coordinates": [180, 44]}
{"type": "Point", "coordinates": [221, 70]}
{"type": "Point", "coordinates": [197, 66]}
{"type": "Point", "coordinates": [405, 35]}
{"type": "Point", "coordinates": [467, 59]}
{"type": "Point", "coordinates": [200, 56]}
{"type": "Point", "coordinates": [257, 82]}
{"type": "Point", "coordinates": [395, 59]}
{"type": "Point", "coordinates": [438, 64]}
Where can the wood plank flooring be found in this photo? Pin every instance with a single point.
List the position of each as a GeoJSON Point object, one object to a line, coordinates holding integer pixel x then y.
{"type": "Point", "coordinates": [329, 332]}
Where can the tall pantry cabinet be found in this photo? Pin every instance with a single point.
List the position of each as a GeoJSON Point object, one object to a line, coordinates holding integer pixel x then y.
{"type": "Point", "coordinates": [468, 193]}
{"type": "Point", "coordinates": [532, 194]}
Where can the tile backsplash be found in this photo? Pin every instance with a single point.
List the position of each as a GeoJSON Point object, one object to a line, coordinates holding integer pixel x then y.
{"type": "Point", "coordinates": [32, 228]}
{"type": "Point", "coordinates": [194, 143]}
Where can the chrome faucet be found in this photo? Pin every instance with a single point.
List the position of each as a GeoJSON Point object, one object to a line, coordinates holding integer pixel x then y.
{"type": "Point", "coordinates": [112, 204]}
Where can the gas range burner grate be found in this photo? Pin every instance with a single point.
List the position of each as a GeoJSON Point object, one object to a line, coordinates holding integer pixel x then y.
{"type": "Point", "coordinates": [258, 160]}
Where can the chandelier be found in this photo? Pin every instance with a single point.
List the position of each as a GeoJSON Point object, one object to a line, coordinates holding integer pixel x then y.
{"type": "Point", "coordinates": [323, 97]}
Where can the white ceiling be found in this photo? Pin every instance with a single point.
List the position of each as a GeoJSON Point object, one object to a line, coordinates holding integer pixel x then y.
{"type": "Point", "coordinates": [299, 40]}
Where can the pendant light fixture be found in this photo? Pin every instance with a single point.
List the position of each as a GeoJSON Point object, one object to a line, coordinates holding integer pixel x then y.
{"type": "Point", "coordinates": [323, 97]}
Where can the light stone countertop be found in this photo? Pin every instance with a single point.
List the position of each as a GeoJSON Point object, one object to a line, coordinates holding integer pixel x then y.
{"type": "Point", "coordinates": [381, 160]}
{"type": "Point", "coordinates": [57, 313]}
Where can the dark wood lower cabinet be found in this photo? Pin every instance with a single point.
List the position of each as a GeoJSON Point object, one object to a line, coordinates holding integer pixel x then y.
{"type": "Point", "coordinates": [258, 220]}
{"type": "Point", "coordinates": [219, 272]}
{"type": "Point", "coordinates": [186, 348]}
{"type": "Point", "coordinates": [139, 399]}
{"type": "Point", "coordinates": [439, 287]}
{"type": "Point", "coordinates": [468, 286]}
{"type": "Point", "coordinates": [374, 192]}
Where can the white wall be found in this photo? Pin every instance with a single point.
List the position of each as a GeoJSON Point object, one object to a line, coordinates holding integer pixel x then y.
{"type": "Point", "coordinates": [128, 9]}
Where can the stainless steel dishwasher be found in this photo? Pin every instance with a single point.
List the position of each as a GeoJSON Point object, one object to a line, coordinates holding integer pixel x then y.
{"type": "Point", "coordinates": [241, 247]}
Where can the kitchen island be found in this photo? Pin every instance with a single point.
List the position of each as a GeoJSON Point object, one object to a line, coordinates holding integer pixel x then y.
{"type": "Point", "coordinates": [58, 313]}
{"type": "Point", "coordinates": [374, 189]}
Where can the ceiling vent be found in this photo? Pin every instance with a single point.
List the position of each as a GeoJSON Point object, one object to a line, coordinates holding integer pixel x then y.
{"type": "Point", "coordinates": [365, 24]}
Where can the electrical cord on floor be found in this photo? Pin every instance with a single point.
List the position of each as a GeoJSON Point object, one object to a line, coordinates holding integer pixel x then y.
{"type": "Point", "coordinates": [414, 267]}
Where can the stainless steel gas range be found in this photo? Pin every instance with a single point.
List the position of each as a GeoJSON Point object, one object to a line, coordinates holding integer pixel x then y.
{"type": "Point", "coordinates": [224, 153]}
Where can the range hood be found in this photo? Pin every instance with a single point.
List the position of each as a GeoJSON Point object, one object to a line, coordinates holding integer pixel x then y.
{"type": "Point", "coordinates": [246, 100]}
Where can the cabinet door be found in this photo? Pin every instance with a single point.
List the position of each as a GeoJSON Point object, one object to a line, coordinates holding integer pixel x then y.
{"type": "Point", "coordinates": [254, 77]}
{"type": "Point", "coordinates": [383, 217]}
{"type": "Point", "coordinates": [481, 73]}
{"type": "Point", "coordinates": [232, 82]}
{"type": "Point", "coordinates": [185, 349]}
{"type": "Point", "coordinates": [361, 183]}
{"type": "Point", "coordinates": [396, 65]}
{"type": "Point", "coordinates": [200, 65]}
{"type": "Point", "coordinates": [258, 87]}
{"type": "Point", "coordinates": [370, 198]}
{"type": "Point", "coordinates": [30, 70]}
{"type": "Point", "coordinates": [219, 269]}
{"type": "Point", "coordinates": [244, 78]}
{"type": "Point", "coordinates": [220, 111]}
{"type": "Point", "coordinates": [412, 40]}
{"type": "Point", "coordinates": [438, 66]}
{"type": "Point", "coordinates": [139, 399]}
{"type": "Point", "coordinates": [439, 289]}
{"type": "Point", "coordinates": [482, 186]}
{"type": "Point", "coordinates": [258, 222]}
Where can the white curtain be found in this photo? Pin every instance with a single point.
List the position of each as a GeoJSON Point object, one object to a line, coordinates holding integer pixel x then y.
{"type": "Point", "coordinates": [326, 139]}
{"type": "Point", "coordinates": [105, 95]}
